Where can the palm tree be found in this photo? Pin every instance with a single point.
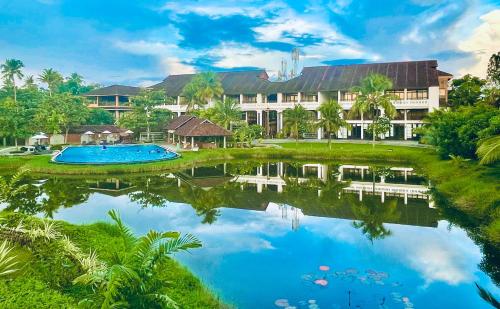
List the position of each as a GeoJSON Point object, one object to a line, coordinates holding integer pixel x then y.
{"type": "Point", "coordinates": [371, 97]}
{"type": "Point", "coordinates": [331, 120]}
{"type": "Point", "coordinates": [52, 78]}
{"type": "Point", "coordinates": [11, 70]}
{"type": "Point", "coordinates": [294, 119]}
{"type": "Point", "coordinates": [131, 278]}
{"type": "Point", "coordinates": [489, 150]}
{"type": "Point", "coordinates": [29, 82]}
{"type": "Point", "coordinates": [202, 89]}
{"type": "Point", "coordinates": [226, 112]}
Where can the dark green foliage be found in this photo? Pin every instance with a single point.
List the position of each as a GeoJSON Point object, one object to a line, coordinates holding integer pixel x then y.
{"type": "Point", "coordinates": [99, 116]}
{"type": "Point", "coordinates": [465, 91]}
{"type": "Point", "coordinates": [494, 68]}
{"type": "Point", "coordinates": [458, 132]}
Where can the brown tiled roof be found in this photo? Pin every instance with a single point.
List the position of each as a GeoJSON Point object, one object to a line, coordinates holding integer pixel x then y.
{"type": "Point", "coordinates": [200, 127]}
{"type": "Point", "coordinates": [177, 122]}
{"type": "Point", "coordinates": [235, 82]}
{"type": "Point", "coordinates": [114, 90]}
{"type": "Point", "coordinates": [408, 74]}
{"type": "Point", "coordinates": [96, 129]}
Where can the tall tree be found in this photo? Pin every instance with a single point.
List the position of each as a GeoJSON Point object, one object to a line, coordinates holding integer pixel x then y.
{"type": "Point", "coordinates": [295, 119]}
{"type": "Point", "coordinates": [465, 91]}
{"type": "Point", "coordinates": [98, 116]}
{"type": "Point", "coordinates": [371, 97]}
{"type": "Point", "coordinates": [14, 119]}
{"type": "Point", "coordinates": [52, 78]}
{"type": "Point", "coordinates": [75, 84]}
{"type": "Point", "coordinates": [493, 72]}
{"type": "Point", "coordinates": [202, 88]}
{"type": "Point", "coordinates": [59, 112]}
{"type": "Point", "coordinates": [331, 120]}
{"type": "Point", "coordinates": [29, 83]}
{"type": "Point", "coordinates": [145, 113]}
{"type": "Point", "coordinates": [11, 70]}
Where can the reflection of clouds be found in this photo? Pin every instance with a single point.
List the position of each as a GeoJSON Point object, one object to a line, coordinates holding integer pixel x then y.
{"type": "Point", "coordinates": [437, 254]}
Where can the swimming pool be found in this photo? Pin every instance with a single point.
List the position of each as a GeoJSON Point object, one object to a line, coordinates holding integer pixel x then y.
{"type": "Point", "coordinates": [113, 154]}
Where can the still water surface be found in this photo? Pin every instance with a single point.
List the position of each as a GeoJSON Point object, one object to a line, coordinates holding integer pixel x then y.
{"type": "Point", "coordinates": [290, 234]}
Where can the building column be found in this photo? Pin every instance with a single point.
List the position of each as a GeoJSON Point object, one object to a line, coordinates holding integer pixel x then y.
{"type": "Point", "coordinates": [192, 142]}
{"type": "Point", "coordinates": [362, 127]}
{"type": "Point", "coordinates": [299, 97]}
{"type": "Point", "coordinates": [259, 118]}
{"type": "Point", "coordinates": [241, 98]}
{"type": "Point", "coordinates": [117, 101]}
{"type": "Point", "coordinates": [224, 142]}
{"type": "Point", "coordinates": [280, 121]}
{"type": "Point", "coordinates": [405, 124]}
{"type": "Point", "coordinates": [320, 130]}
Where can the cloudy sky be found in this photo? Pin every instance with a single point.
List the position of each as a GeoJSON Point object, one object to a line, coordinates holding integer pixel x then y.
{"type": "Point", "coordinates": [141, 42]}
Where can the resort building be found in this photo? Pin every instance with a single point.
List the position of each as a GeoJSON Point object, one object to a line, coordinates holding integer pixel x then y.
{"type": "Point", "coordinates": [419, 86]}
{"type": "Point", "coordinates": [115, 99]}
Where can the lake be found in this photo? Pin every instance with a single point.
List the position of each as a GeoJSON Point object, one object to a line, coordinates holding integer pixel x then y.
{"type": "Point", "coordinates": [295, 234]}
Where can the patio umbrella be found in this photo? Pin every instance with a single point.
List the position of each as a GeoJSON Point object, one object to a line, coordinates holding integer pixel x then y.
{"type": "Point", "coordinates": [129, 132]}
{"type": "Point", "coordinates": [40, 135]}
{"type": "Point", "coordinates": [106, 132]}
{"type": "Point", "coordinates": [89, 133]}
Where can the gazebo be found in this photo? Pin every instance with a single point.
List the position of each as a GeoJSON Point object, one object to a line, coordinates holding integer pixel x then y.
{"type": "Point", "coordinates": [193, 131]}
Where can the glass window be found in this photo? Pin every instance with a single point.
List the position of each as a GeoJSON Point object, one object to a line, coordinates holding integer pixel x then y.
{"type": "Point", "coordinates": [309, 97]}
{"type": "Point", "coordinates": [417, 114]}
{"type": "Point", "coordinates": [290, 97]}
{"type": "Point", "coordinates": [397, 93]}
{"type": "Point", "coordinates": [347, 96]}
{"type": "Point", "coordinates": [418, 94]}
{"type": "Point", "coordinates": [249, 98]}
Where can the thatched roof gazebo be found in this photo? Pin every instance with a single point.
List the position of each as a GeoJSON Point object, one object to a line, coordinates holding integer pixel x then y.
{"type": "Point", "coordinates": [186, 127]}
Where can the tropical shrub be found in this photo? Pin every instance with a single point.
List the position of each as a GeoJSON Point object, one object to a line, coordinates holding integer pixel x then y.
{"type": "Point", "coordinates": [131, 279]}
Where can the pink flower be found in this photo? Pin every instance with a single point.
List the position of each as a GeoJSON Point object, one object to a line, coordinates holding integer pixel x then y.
{"type": "Point", "coordinates": [324, 268]}
{"type": "Point", "coordinates": [321, 282]}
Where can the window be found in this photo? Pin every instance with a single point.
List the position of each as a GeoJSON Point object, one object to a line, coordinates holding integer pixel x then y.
{"type": "Point", "coordinates": [399, 94]}
{"type": "Point", "coordinates": [347, 96]}
{"type": "Point", "coordinates": [419, 94]}
{"type": "Point", "coordinates": [249, 98]}
{"type": "Point", "coordinates": [290, 97]}
{"type": "Point", "coordinates": [400, 114]}
{"type": "Point", "coordinates": [417, 114]}
{"type": "Point", "coordinates": [309, 97]}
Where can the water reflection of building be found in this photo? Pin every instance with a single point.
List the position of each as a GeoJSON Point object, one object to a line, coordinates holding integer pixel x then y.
{"type": "Point", "coordinates": [110, 186]}
{"type": "Point", "coordinates": [402, 182]}
{"type": "Point", "coordinates": [378, 187]}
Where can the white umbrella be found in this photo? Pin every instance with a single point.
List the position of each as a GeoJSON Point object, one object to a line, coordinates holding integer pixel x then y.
{"type": "Point", "coordinates": [89, 133]}
{"type": "Point", "coordinates": [40, 135]}
{"type": "Point", "coordinates": [129, 132]}
{"type": "Point", "coordinates": [106, 132]}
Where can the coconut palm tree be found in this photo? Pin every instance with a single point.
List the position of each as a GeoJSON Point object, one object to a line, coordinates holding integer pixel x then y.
{"type": "Point", "coordinates": [294, 119]}
{"type": "Point", "coordinates": [489, 150]}
{"type": "Point", "coordinates": [371, 97]}
{"type": "Point", "coordinates": [29, 82]}
{"type": "Point", "coordinates": [226, 112]}
{"type": "Point", "coordinates": [201, 89]}
{"type": "Point", "coordinates": [11, 70]}
{"type": "Point", "coordinates": [52, 78]}
{"type": "Point", "coordinates": [131, 279]}
{"type": "Point", "coordinates": [331, 121]}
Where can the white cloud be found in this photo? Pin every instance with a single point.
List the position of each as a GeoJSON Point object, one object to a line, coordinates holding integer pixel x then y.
{"type": "Point", "coordinates": [174, 65]}
{"type": "Point", "coordinates": [483, 42]}
{"type": "Point", "coordinates": [339, 6]}
{"type": "Point", "coordinates": [217, 9]}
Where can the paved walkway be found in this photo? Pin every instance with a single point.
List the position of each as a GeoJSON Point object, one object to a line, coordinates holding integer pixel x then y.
{"type": "Point", "coordinates": [349, 141]}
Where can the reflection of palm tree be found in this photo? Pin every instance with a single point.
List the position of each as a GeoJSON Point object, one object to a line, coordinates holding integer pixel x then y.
{"type": "Point", "coordinates": [19, 194]}
{"type": "Point", "coordinates": [205, 203]}
{"type": "Point", "coordinates": [371, 214]}
{"type": "Point", "coordinates": [151, 192]}
{"type": "Point", "coordinates": [63, 193]}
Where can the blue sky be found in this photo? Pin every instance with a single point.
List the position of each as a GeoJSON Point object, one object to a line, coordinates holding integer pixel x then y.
{"type": "Point", "coordinates": [141, 42]}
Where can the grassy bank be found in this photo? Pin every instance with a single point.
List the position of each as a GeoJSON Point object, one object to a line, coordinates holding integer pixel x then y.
{"type": "Point", "coordinates": [45, 279]}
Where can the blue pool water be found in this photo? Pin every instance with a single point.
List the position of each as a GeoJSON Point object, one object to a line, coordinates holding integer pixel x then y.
{"type": "Point", "coordinates": [113, 154]}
